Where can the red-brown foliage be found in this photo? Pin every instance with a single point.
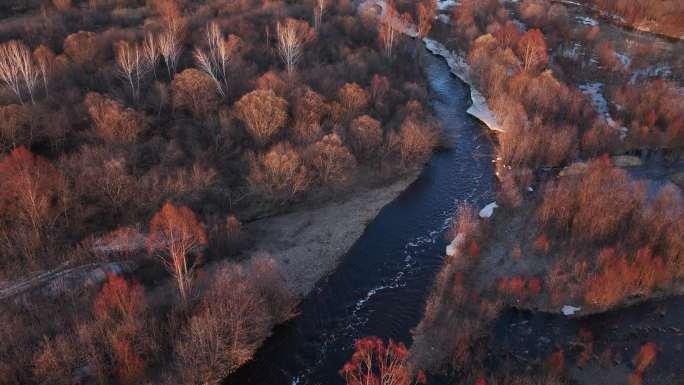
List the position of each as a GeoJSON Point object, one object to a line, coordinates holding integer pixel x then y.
{"type": "Point", "coordinates": [646, 357]}
{"type": "Point", "coordinates": [30, 205]}
{"type": "Point", "coordinates": [263, 114]}
{"type": "Point", "coordinates": [621, 277]}
{"type": "Point", "coordinates": [531, 49]}
{"type": "Point", "coordinates": [375, 363]}
{"type": "Point", "coordinates": [194, 91]}
{"type": "Point", "coordinates": [113, 122]}
{"type": "Point", "coordinates": [586, 338]}
{"type": "Point", "coordinates": [130, 367]}
{"type": "Point", "coordinates": [119, 301]}
{"type": "Point", "coordinates": [175, 232]}
{"type": "Point", "coordinates": [556, 363]}
{"type": "Point", "coordinates": [279, 175]}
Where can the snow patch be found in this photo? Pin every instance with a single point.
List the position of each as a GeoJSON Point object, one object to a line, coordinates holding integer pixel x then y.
{"type": "Point", "coordinates": [569, 310]}
{"type": "Point", "coordinates": [453, 246]}
{"type": "Point", "coordinates": [488, 210]}
{"type": "Point", "coordinates": [445, 5]}
{"type": "Point", "coordinates": [595, 92]}
{"type": "Point", "coordinates": [459, 67]}
{"type": "Point", "coordinates": [586, 21]}
{"type": "Point", "coordinates": [623, 58]}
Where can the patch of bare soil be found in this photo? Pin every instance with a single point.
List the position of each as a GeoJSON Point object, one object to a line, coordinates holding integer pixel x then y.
{"type": "Point", "coordinates": [308, 244]}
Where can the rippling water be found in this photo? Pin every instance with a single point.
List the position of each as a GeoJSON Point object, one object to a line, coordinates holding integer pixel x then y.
{"type": "Point", "coordinates": [380, 287]}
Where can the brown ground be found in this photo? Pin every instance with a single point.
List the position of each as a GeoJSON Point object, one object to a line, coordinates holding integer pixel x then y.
{"type": "Point", "coordinates": [309, 243]}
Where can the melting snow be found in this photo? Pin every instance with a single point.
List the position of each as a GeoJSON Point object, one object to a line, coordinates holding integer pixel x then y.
{"type": "Point", "coordinates": [586, 20]}
{"type": "Point", "coordinates": [570, 310]}
{"type": "Point", "coordinates": [488, 210]}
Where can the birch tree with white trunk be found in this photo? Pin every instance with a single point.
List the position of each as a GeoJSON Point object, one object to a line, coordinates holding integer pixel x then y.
{"type": "Point", "coordinates": [292, 35]}
{"type": "Point", "coordinates": [132, 65]}
{"type": "Point", "coordinates": [218, 56]}
{"type": "Point", "coordinates": [17, 69]}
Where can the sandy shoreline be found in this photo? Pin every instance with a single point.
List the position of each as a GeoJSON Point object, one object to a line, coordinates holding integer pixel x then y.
{"type": "Point", "coordinates": [309, 244]}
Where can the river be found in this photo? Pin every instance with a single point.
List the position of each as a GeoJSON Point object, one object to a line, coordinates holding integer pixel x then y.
{"type": "Point", "coordinates": [381, 285]}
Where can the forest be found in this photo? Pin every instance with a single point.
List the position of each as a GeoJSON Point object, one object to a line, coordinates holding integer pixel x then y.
{"type": "Point", "coordinates": [139, 136]}
{"type": "Point", "coordinates": [139, 139]}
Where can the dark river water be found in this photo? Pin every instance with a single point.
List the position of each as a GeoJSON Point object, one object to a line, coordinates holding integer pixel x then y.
{"type": "Point", "coordinates": [381, 285]}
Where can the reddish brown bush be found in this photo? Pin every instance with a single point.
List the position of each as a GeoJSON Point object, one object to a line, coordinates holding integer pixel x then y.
{"type": "Point", "coordinates": [556, 363]}
{"type": "Point", "coordinates": [130, 367]}
{"type": "Point", "coordinates": [571, 203]}
{"type": "Point", "coordinates": [638, 276]}
{"type": "Point", "coordinates": [309, 110]}
{"type": "Point", "coordinates": [534, 286]}
{"type": "Point", "coordinates": [263, 114]}
{"type": "Point", "coordinates": [271, 81]}
{"type": "Point", "coordinates": [642, 361]}
{"type": "Point", "coordinates": [542, 244]}
{"type": "Point", "coordinates": [85, 48]}
{"type": "Point", "coordinates": [113, 122]}
{"type": "Point", "coordinates": [586, 339]}
{"type": "Point", "coordinates": [353, 98]}
{"type": "Point", "coordinates": [330, 161]}
{"type": "Point", "coordinates": [365, 137]}
{"type": "Point", "coordinates": [15, 129]}
{"type": "Point", "coordinates": [31, 187]}
{"type": "Point", "coordinates": [417, 140]}
{"type": "Point", "coordinates": [279, 174]}
{"type": "Point", "coordinates": [234, 317]}
{"type": "Point", "coordinates": [194, 91]}
{"type": "Point", "coordinates": [119, 301]}
{"type": "Point", "coordinates": [373, 363]}
{"type": "Point", "coordinates": [531, 49]}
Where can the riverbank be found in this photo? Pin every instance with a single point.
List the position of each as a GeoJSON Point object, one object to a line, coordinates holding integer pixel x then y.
{"type": "Point", "coordinates": [309, 244]}
{"type": "Point", "coordinates": [457, 63]}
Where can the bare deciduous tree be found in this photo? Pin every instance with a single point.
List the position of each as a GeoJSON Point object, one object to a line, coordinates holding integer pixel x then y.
{"type": "Point", "coordinates": [132, 65]}
{"type": "Point", "coordinates": [427, 11]}
{"type": "Point", "coordinates": [216, 60]}
{"type": "Point", "coordinates": [532, 50]}
{"type": "Point", "coordinates": [193, 90]}
{"type": "Point", "coordinates": [44, 58]}
{"type": "Point", "coordinates": [279, 174]}
{"type": "Point", "coordinates": [319, 11]}
{"type": "Point", "coordinates": [30, 191]}
{"type": "Point", "coordinates": [175, 232]}
{"type": "Point", "coordinates": [151, 52]}
{"type": "Point", "coordinates": [388, 31]}
{"type": "Point", "coordinates": [263, 113]}
{"type": "Point", "coordinates": [331, 161]}
{"type": "Point", "coordinates": [292, 35]}
{"type": "Point", "coordinates": [169, 43]}
{"type": "Point", "coordinates": [17, 69]}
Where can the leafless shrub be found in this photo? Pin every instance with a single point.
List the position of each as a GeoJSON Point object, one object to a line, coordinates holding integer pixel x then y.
{"type": "Point", "coordinates": [113, 122]}
{"type": "Point", "coordinates": [353, 98]}
{"type": "Point", "coordinates": [84, 48]}
{"type": "Point", "coordinates": [331, 161]}
{"type": "Point", "coordinates": [263, 113]}
{"type": "Point", "coordinates": [278, 175]}
{"type": "Point", "coordinates": [365, 137]}
{"type": "Point", "coordinates": [194, 91]}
